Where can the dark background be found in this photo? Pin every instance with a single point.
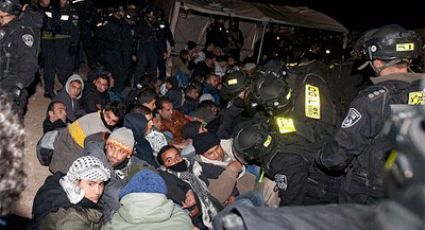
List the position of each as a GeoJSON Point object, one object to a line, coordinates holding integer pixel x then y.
{"type": "Point", "coordinates": [362, 14]}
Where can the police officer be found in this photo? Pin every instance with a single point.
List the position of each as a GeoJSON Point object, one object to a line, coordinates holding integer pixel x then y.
{"type": "Point", "coordinates": [235, 39]}
{"type": "Point", "coordinates": [59, 43]}
{"type": "Point", "coordinates": [18, 54]}
{"type": "Point", "coordinates": [147, 40]}
{"type": "Point", "coordinates": [165, 35]}
{"type": "Point", "coordinates": [116, 44]}
{"type": "Point", "coordinates": [234, 88]}
{"type": "Point", "coordinates": [405, 180]}
{"type": "Point", "coordinates": [216, 33]}
{"type": "Point", "coordinates": [359, 147]}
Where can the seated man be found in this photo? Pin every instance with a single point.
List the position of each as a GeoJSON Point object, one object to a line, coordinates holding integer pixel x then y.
{"type": "Point", "coordinates": [116, 153]}
{"type": "Point", "coordinates": [70, 141]}
{"type": "Point", "coordinates": [71, 95]}
{"type": "Point", "coordinates": [188, 186]}
{"type": "Point", "coordinates": [170, 120]}
{"type": "Point", "coordinates": [96, 96]}
{"type": "Point", "coordinates": [56, 116]}
{"type": "Point", "coordinates": [233, 177]}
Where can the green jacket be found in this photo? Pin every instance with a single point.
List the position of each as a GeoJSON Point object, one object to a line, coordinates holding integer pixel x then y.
{"type": "Point", "coordinates": [148, 211]}
{"type": "Point", "coordinates": [72, 219]}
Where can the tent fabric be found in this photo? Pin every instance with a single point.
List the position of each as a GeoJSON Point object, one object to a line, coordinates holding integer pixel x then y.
{"type": "Point", "coordinates": [289, 15]}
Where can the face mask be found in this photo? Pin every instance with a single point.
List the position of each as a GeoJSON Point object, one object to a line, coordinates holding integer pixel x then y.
{"type": "Point", "coordinates": [179, 167]}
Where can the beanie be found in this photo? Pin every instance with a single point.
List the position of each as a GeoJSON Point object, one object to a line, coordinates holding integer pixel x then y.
{"type": "Point", "coordinates": [123, 138]}
{"type": "Point", "coordinates": [205, 141]}
{"type": "Point", "coordinates": [145, 181]}
{"type": "Point", "coordinates": [206, 97]}
{"type": "Point", "coordinates": [191, 129]}
{"type": "Point", "coordinates": [88, 168]}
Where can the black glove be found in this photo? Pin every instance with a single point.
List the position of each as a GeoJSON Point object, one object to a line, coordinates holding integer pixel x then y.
{"type": "Point", "coordinates": [16, 92]}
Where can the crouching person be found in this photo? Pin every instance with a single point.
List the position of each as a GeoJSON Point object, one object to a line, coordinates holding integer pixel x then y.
{"type": "Point", "coordinates": [71, 201]}
{"type": "Point", "coordinates": [144, 205]}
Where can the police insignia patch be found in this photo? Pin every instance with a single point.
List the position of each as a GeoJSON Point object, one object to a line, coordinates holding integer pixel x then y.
{"type": "Point", "coordinates": [281, 181]}
{"type": "Point", "coordinates": [28, 39]}
{"type": "Point", "coordinates": [351, 119]}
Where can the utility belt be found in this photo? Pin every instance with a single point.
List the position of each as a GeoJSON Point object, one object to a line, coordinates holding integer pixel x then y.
{"type": "Point", "coordinates": [51, 36]}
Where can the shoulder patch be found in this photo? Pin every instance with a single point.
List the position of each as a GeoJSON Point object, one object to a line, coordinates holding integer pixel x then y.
{"type": "Point", "coordinates": [351, 119]}
{"type": "Point", "coordinates": [28, 39]}
{"type": "Point", "coordinates": [281, 181]}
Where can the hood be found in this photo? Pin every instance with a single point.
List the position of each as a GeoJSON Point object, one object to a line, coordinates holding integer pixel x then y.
{"type": "Point", "coordinates": [146, 208]}
{"type": "Point", "coordinates": [137, 123]}
{"type": "Point", "coordinates": [74, 77]}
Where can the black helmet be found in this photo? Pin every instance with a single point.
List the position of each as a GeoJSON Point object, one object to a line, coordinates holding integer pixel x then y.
{"type": "Point", "coordinates": [251, 142]}
{"type": "Point", "coordinates": [390, 42]}
{"type": "Point", "coordinates": [10, 6]}
{"type": "Point", "coordinates": [272, 92]}
{"type": "Point", "coordinates": [234, 83]}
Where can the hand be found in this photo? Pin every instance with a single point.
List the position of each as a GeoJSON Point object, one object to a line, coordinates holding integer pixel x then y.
{"type": "Point", "coordinates": [190, 200]}
{"type": "Point", "coordinates": [235, 166]}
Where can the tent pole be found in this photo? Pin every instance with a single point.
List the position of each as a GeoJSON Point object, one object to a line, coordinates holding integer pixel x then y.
{"type": "Point", "coordinates": [262, 41]}
{"type": "Point", "coordinates": [175, 17]}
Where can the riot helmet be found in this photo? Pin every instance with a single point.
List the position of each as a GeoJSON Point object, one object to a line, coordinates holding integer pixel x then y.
{"type": "Point", "coordinates": [252, 142]}
{"type": "Point", "coordinates": [272, 92]}
{"type": "Point", "coordinates": [389, 43]}
{"type": "Point", "coordinates": [234, 83]}
{"type": "Point", "coordinates": [10, 6]}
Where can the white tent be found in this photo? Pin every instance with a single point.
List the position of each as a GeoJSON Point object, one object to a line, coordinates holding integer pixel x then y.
{"type": "Point", "coordinates": [189, 19]}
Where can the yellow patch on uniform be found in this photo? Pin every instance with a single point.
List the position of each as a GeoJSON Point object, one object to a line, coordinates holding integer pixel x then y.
{"type": "Point", "coordinates": [417, 98]}
{"type": "Point", "coordinates": [77, 133]}
{"type": "Point", "coordinates": [390, 160]}
{"type": "Point", "coordinates": [312, 102]}
{"type": "Point", "coordinates": [285, 125]}
{"type": "Point", "coordinates": [268, 141]}
{"type": "Point", "coordinates": [402, 47]}
{"type": "Point", "coordinates": [233, 81]}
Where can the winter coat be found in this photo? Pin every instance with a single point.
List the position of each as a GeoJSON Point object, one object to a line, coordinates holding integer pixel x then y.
{"type": "Point", "coordinates": [149, 211]}
{"type": "Point", "coordinates": [53, 210]}
{"type": "Point", "coordinates": [142, 149]}
{"type": "Point", "coordinates": [73, 110]}
{"type": "Point", "coordinates": [93, 98]}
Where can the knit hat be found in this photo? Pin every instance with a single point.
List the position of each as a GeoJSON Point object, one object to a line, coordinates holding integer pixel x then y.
{"type": "Point", "coordinates": [123, 138]}
{"type": "Point", "coordinates": [88, 168]}
{"type": "Point", "coordinates": [191, 129]}
{"type": "Point", "coordinates": [145, 181]}
{"type": "Point", "coordinates": [205, 141]}
{"type": "Point", "coordinates": [206, 97]}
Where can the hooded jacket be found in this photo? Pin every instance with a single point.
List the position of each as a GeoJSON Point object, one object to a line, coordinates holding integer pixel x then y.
{"type": "Point", "coordinates": [149, 211]}
{"type": "Point", "coordinates": [73, 109]}
{"type": "Point", "coordinates": [143, 150]}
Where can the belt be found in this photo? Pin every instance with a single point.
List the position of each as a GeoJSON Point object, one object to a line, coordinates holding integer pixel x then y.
{"type": "Point", "coordinates": [50, 35]}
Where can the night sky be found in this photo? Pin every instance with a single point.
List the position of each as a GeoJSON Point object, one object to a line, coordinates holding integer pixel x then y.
{"type": "Point", "coordinates": [366, 14]}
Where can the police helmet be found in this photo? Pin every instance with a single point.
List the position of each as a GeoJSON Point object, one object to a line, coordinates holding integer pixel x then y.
{"type": "Point", "coordinates": [388, 43]}
{"type": "Point", "coordinates": [252, 142]}
{"type": "Point", "coordinates": [234, 83]}
{"type": "Point", "coordinates": [272, 92]}
{"type": "Point", "coordinates": [10, 6]}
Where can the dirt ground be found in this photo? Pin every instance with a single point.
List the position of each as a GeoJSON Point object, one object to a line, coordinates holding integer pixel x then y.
{"type": "Point", "coordinates": [36, 173]}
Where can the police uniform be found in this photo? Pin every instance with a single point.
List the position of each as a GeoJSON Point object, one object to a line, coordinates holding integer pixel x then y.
{"type": "Point", "coordinates": [148, 50]}
{"type": "Point", "coordinates": [18, 60]}
{"type": "Point", "coordinates": [59, 44]}
{"type": "Point", "coordinates": [360, 144]}
{"type": "Point", "coordinates": [116, 44]}
{"type": "Point", "coordinates": [165, 35]}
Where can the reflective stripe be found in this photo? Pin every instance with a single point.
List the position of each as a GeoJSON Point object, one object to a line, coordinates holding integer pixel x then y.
{"type": "Point", "coordinates": [76, 1]}
{"type": "Point", "coordinates": [64, 17]}
{"type": "Point", "coordinates": [285, 125]}
{"type": "Point", "coordinates": [417, 98]}
{"type": "Point", "coordinates": [48, 14]}
{"type": "Point", "coordinates": [77, 133]}
{"type": "Point", "coordinates": [312, 102]}
{"type": "Point", "coordinates": [390, 160]}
